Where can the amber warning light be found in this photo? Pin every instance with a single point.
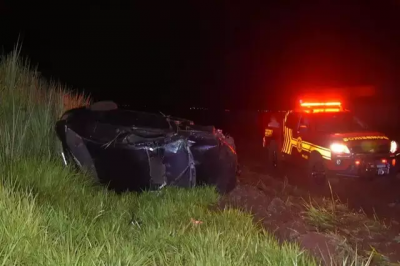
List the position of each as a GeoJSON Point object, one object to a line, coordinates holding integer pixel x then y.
{"type": "Point", "coordinates": [311, 104]}
{"type": "Point", "coordinates": [326, 110]}
{"type": "Point", "coordinates": [318, 107]}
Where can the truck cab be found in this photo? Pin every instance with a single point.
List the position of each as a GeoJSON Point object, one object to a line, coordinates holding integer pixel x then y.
{"type": "Point", "coordinates": [327, 139]}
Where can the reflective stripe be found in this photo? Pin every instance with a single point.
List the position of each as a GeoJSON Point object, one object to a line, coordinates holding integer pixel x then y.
{"type": "Point", "coordinates": [286, 146]}
{"type": "Point", "coordinates": [290, 143]}
{"type": "Point", "coordinates": [286, 138]}
{"type": "Point", "coordinates": [364, 138]}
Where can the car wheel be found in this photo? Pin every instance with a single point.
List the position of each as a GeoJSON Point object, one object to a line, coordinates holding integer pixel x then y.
{"type": "Point", "coordinates": [227, 179]}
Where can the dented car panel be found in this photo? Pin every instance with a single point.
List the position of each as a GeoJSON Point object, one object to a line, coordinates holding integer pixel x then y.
{"type": "Point", "coordinates": [131, 150]}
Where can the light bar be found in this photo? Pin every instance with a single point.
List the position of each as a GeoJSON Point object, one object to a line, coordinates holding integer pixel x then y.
{"type": "Point", "coordinates": [327, 110]}
{"type": "Point", "coordinates": [309, 104]}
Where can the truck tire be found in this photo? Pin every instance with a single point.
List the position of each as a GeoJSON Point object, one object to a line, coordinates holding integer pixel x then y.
{"type": "Point", "coordinates": [274, 156]}
{"type": "Point", "coordinates": [316, 171]}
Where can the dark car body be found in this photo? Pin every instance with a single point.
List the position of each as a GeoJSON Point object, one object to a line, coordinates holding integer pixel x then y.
{"type": "Point", "coordinates": [132, 150]}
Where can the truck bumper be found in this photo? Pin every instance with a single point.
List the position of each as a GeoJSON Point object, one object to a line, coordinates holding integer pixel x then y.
{"type": "Point", "coordinates": [363, 165]}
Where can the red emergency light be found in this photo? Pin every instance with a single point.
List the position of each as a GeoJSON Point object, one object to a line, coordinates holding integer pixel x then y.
{"type": "Point", "coordinates": [322, 111]}
{"type": "Point", "coordinates": [313, 104]}
{"type": "Point", "coordinates": [321, 107]}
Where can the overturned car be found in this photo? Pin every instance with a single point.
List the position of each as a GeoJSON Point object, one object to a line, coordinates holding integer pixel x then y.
{"type": "Point", "coordinates": [130, 150]}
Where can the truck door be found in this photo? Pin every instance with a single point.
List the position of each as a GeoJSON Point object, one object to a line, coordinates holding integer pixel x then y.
{"type": "Point", "coordinates": [303, 137]}
{"type": "Point", "coordinates": [290, 135]}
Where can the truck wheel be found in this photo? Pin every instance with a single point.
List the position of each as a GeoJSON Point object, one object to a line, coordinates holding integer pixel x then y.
{"type": "Point", "coordinates": [274, 155]}
{"type": "Point", "coordinates": [316, 169]}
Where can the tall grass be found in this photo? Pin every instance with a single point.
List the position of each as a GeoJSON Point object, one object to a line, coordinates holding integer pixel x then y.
{"type": "Point", "coordinates": [29, 108]}
{"type": "Point", "coordinates": [50, 215]}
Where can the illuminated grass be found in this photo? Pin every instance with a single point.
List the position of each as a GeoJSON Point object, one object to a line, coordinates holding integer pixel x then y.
{"type": "Point", "coordinates": [56, 223]}
{"type": "Point", "coordinates": [332, 217]}
{"type": "Point", "coordinates": [53, 216]}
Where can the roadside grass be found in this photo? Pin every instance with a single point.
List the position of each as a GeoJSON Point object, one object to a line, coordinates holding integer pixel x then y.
{"type": "Point", "coordinates": [51, 215]}
{"type": "Point", "coordinates": [324, 215]}
{"type": "Point", "coordinates": [329, 214]}
{"type": "Point", "coordinates": [29, 107]}
{"type": "Point", "coordinates": [348, 228]}
{"type": "Point", "coordinates": [48, 221]}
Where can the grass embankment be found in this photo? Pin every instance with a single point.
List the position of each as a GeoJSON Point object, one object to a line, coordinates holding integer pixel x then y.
{"type": "Point", "coordinates": [53, 216]}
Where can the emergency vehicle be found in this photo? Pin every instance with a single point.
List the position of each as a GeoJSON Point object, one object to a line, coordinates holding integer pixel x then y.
{"type": "Point", "coordinates": [327, 139]}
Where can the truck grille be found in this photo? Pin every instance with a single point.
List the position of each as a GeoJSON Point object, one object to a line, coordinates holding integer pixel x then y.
{"type": "Point", "coordinates": [370, 147]}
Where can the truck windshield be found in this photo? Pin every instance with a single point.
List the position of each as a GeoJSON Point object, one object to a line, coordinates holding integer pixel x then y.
{"type": "Point", "coordinates": [338, 123]}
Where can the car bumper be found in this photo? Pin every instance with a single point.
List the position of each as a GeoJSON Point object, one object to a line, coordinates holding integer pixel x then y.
{"type": "Point", "coordinates": [359, 165]}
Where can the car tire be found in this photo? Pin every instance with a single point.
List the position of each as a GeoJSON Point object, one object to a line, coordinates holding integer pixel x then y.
{"type": "Point", "coordinates": [316, 171]}
{"type": "Point", "coordinates": [227, 178]}
{"type": "Point", "coordinates": [230, 185]}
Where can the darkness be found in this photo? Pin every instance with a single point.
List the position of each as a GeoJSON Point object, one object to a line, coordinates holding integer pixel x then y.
{"type": "Point", "coordinates": [224, 54]}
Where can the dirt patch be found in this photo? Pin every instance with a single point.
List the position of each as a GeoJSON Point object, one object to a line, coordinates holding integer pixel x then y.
{"type": "Point", "coordinates": [325, 227]}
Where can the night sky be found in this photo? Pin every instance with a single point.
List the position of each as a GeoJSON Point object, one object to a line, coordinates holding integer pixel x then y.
{"type": "Point", "coordinates": [233, 54]}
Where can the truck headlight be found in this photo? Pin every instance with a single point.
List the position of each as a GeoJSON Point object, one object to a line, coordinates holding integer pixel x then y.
{"type": "Point", "coordinates": [339, 148]}
{"type": "Point", "coordinates": [393, 146]}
